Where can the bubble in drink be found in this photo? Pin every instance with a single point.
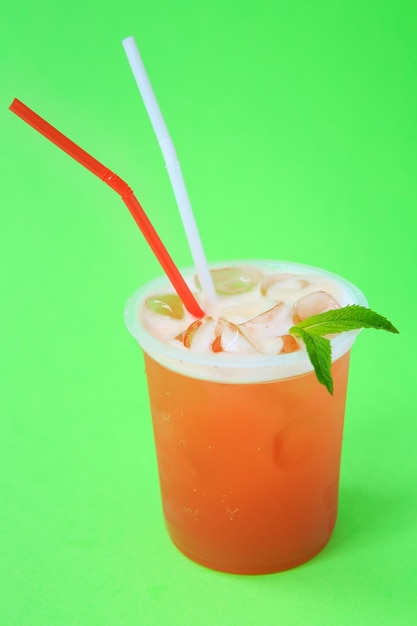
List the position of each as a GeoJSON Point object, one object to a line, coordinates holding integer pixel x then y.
{"type": "Point", "coordinates": [312, 304]}
{"type": "Point", "coordinates": [166, 304]}
{"type": "Point", "coordinates": [234, 280]}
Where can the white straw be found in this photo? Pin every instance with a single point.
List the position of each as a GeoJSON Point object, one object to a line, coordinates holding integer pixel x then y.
{"type": "Point", "coordinates": [173, 167]}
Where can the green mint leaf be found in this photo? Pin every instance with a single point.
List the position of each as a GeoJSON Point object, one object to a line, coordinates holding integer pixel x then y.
{"type": "Point", "coordinates": [320, 353]}
{"type": "Point", "coordinates": [350, 317]}
{"type": "Point", "coordinates": [312, 329]}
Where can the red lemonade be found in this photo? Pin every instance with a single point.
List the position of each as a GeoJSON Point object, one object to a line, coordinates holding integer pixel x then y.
{"type": "Point", "coordinates": [248, 442]}
{"type": "Point", "coordinates": [249, 474]}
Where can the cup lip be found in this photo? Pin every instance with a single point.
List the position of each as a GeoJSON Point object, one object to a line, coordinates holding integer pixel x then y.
{"type": "Point", "coordinates": [154, 347]}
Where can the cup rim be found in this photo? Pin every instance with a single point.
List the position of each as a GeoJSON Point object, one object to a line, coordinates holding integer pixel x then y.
{"type": "Point", "coordinates": [296, 360]}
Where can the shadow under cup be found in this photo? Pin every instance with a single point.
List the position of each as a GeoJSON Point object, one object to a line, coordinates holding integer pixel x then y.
{"type": "Point", "coordinates": [248, 463]}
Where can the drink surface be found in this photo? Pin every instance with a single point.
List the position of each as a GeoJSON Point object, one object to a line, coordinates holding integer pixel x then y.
{"type": "Point", "coordinates": [245, 333]}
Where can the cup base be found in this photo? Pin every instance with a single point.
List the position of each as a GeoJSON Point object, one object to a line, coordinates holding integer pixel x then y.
{"type": "Point", "coordinates": [274, 568]}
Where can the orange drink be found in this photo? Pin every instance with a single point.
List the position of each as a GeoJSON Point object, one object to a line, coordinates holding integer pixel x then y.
{"type": "Point", "coordinates": [248, 442]}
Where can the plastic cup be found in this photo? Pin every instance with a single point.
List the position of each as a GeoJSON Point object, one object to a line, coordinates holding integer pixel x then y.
{"type": "Point", "coordinates": [248, 448]}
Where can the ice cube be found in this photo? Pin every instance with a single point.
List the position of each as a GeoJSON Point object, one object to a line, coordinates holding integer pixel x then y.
{"type": "Point", "coordinates": [268, 345]}
{"type": "Point", "coordinates": [230, 281]}
{"type": "Point", "coordinates": [313, 303]}
{"type": "Point", "coordinates": [240, 313]}
{"type": "Point", "coordinates": [268, 323]}
{"type": "Point", "coordinates": [280, 285]}
{"type": "Point", "coordinates": [265, 330]}
{"type": "Point", "coordinates": [229, 338]}
{"type": "Point", "coordinates": [199, 335]}
{"type": "Point", "coordinates": [209, 335]}
{"type": "Point", "coordinates": [168, 304]}
{"type": "Point", "coordinates": [289, 344]}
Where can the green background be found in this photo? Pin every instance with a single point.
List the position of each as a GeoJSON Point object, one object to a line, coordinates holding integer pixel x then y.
{"type": "Point", "coordinates": [295, 123]}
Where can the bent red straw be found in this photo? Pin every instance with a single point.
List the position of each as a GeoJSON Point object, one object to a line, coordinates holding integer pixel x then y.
{"type": "Point", "coordinates": [123, 189]}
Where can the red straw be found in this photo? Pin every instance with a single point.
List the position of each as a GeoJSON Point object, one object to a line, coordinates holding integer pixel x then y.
{"type": "Point", "coordinates": [126, 193]}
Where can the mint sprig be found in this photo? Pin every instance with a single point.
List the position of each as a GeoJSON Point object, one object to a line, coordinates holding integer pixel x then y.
{"type": "Point", "coordinates": [313, 329]}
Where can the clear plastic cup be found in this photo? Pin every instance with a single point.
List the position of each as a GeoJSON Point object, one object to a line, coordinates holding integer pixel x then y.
{"type": "Point", "coordinates": [248, 447]}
